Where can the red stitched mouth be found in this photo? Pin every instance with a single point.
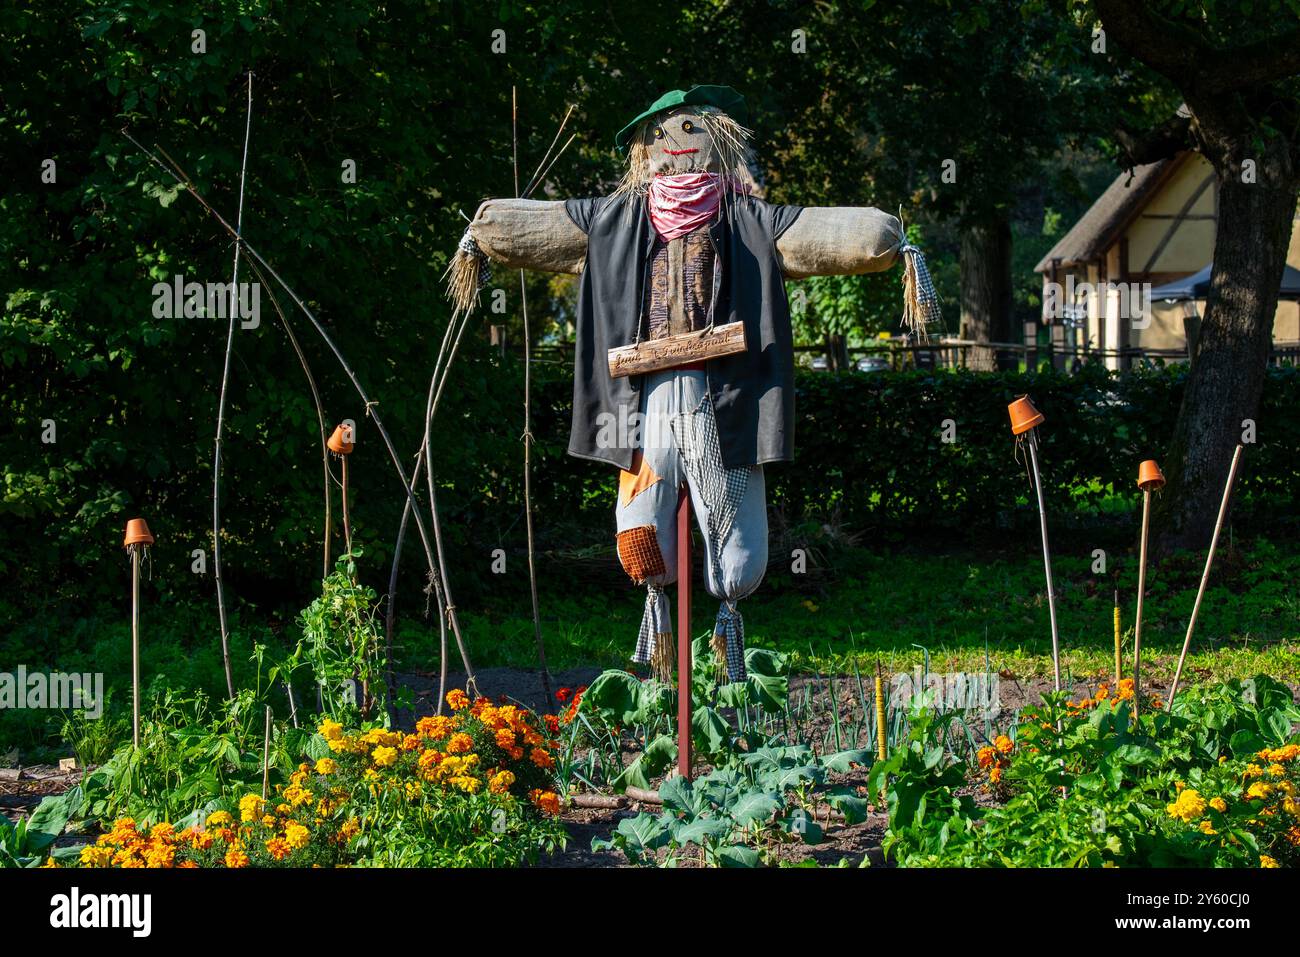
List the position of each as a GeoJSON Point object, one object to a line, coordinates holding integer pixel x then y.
{"type": "Point", "coordinates": [679, 152]}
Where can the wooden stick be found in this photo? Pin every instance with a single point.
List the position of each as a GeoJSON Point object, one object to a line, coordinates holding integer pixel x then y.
{"type": "Point", "coordinates": [684, 633]}
{"type": "Point", "coordinates": [221, 409]}
{"type": "Point", "coordinates": [882, 745]}
{"type": "Point", "coordinates": [1142, 587]}
{"type": "Point", "coordinates": [266, 753]}
{"type": "Point", "coordinates": [544, 672]}
{"type": "Point", "coordinates": [1205, 575]}
{"type": "Point", "coordinates": [1047, 558]}
{"type": "Point", "coordinates": [1119, 655]}
{"type": "Point", "coordinates": [135, 646]}
{"type": "Point", "coordinates": [347, 526]}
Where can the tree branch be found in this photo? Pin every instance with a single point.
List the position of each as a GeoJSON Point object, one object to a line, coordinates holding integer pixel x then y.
{"type": "Point", "coordinates": [1255, 64]}
{"type": "Point", "coordinates": [1169, 48]}
{"type": "Point", "coordinates": [1164, 141]}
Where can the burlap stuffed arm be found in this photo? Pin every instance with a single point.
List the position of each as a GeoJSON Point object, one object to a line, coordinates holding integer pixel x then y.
{"type": "Point", "coordinates": [529, 234]}
{"type": "Point", "coordinates": [839, 241]}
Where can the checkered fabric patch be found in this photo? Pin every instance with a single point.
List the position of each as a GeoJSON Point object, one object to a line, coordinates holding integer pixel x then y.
{"type": "Point", "coordinates": [732, 627]}
{"type": "Point", "coordinates": [722, 489]}
{"type": "Point", "coordinates": [638, 550]}
{"type": "Point", "coordinates": [654, 623]}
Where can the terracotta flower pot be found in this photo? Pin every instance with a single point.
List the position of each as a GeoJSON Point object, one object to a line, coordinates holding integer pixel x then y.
{"type": "Point", "coordinates": [339, 441]}
{"type": "Point", "coordinates": [137, 533]}
{"type": "Point", "coordinates": [1149, 476]}
{"type": "Point", "coordinates": [1023, 415]}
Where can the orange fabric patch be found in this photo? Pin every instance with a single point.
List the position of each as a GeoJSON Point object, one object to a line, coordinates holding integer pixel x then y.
{"type": "Point", "coordinates": [633, 483]}
{"type": "Point", "coordinates": [638, 550]}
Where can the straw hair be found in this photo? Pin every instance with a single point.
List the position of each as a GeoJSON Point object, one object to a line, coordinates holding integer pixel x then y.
{"type": "Point", "coordinates": [663, 660]}
{"type": "Point", "coordinates": [731, 150]}
{"type": "Point", "coordinates": [462, 277]}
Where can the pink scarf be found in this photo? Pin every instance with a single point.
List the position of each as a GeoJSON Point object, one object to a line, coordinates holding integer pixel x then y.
{"type": "Point", "coordinates": [682, 202]}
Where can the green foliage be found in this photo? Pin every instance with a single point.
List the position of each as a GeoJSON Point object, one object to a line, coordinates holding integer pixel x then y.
{"type": "Point", "coordinates": [27, 843]}
{"type": "Point", "coordinates": [342, 643]}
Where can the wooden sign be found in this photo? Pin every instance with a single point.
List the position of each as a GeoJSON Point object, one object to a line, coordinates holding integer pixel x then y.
{"type": "Point", "coordinates": [679, 350]}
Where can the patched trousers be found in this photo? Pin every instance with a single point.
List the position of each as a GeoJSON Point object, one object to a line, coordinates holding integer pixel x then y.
{"type": "Point", "coordinates": [677, 440]}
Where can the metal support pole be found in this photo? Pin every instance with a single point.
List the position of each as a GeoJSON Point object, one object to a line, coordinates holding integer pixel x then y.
{"type": "Point", "coordinates": [135, 646]}
{"type": "Point", "coordinates": [1047, 559]}
{"type": "Point", "coordinates": [1205, 576]}
{"type": "Point", "coordinates": [1142, 587]}
{"type": "Point", "coordinates": [684, 634]}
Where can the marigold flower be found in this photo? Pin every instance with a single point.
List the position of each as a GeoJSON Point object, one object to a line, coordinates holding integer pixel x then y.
{"type": "Point", "coordinates": [1207, 827]}
{"type": "Point", "coordinates": [349, 829]}
{"type": "Point", "coordinates": [563, 694]}
{"type": "Point", "coordinates": [457, 700]}
{"type": "Point", "coordinates": [548, 802]}
{"type": "Point", "coordinates": [278, 848]}
{"type": "Point", "coordinates": [985, 756]}
{"type": "Point", "coordinates": [96, 856]}
{"type": "Point", "coordinates": [1266, 861]}
{"type": "Point", "coordinates": [326, 766]}
{"type": "Point", "coordinates": [1258, 791]}
{"type": "Point", "coordinates": [500, 782]}
{"type": "Point", "coordinates": [460, 743]}
{"type": "Point", "coordinates": [296, 836]}
{"type": "Point", "coordinates": [250, 808]}
{"type": "Point", "coordinates": [542, 758]}
{"type": "Point", "coordinates": [1219, 804]}
{"type": "Point", "coordinates": [235, 858]}
{"type": "Point", "coordinates": [1189, 806]}
{"type": "Point", "coordinates": [1003, 744]}
{"type": "Point", "coordinates": [220, 819]}
{"type": "Point", "coordinates": [330, 730]}
{"type": "Point", "coordinates": [995, 775]}
{"type": "Point", "coordinates": [384, 757]}
{"type": "Point", "coordinates": [505, 738]}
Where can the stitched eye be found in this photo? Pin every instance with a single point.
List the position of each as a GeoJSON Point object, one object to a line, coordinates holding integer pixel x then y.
{"type": "Point", "coordinates": [688, 126]}
{"type": "Point", "coordinates": [659, 132]}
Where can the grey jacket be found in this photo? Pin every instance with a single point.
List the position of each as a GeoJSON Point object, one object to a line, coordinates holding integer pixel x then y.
{"type": "Point", "coordinates": [752, 392]}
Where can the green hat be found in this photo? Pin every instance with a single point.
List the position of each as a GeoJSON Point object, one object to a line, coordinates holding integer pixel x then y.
{"type": "Point", "coordinates": [723, 97]}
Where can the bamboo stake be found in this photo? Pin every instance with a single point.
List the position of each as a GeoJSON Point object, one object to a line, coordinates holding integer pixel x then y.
{"type": "Point", "coordinates": [1142, 586]}
{"type": "Point", "coordinates": [266, 754]}
{"type": "Point", "coordinates": [347, 526]}
{"type": "Point", "coordinates": [544, 673]}
{"type": "Point", "coordinates": [1205, 575]}
{"type": "Point", "coordinates": [882, 750]}
{"type": "Point", "coordinates": [135, 646]}
{"type": "Point", "coordinates": [1047, 559]}
{"type": "Point", "coordinates": [221, 408]}
{"type": "Point", "coordinates": [1119, 658]}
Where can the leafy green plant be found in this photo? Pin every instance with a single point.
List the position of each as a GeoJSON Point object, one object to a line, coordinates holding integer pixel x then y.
{"type": "Point", "coordinates": [342, 642]}
{"type": "Point", "coordinates": [27, 843]}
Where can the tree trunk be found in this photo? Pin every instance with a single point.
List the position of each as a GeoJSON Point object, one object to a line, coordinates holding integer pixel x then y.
{"type": "Point", "coordinates": [837, 351]}
{"type": "Point", "coordinates": [1230, 359]}
{"type": "Point", "coordinates": [986, 286]}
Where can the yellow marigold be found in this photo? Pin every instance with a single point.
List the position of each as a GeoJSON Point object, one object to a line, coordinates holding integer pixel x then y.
{"type": "Point", "coordinates": [50, 863]}
{"type": "Point", "coordinates": [437, 726]}
{"type": "Point", "coordinates": [162, 831]}
{"type": "Point", "coordinates": [235, 858]}
{"type": "Point", "coordinates": [460, 743]}
{"type": "Point", "coordinates": [995, 775]}
{"type": "Point", "coordinates": [202, 840]}
{"type": "Point", "coordinates": [160, 855]}
{"type": "Point", "coordinates": [326, 766]}
{"type": "Point", "coordinates": [1288, 752]}
{"type": "Point", "coordinates": [250, 808]}
{"type": "Point", "coordinates": [1189, 806]}
{"type": "Point", "coordinates": [384, 757]}
{"type": "Point", "coordinates": [1277, 770]}
{"type": "Point", "coordinates": [505, 738]}
{"type": "Point", "coordinates": [1252, 771]}
{"type": "Point", "coordinates": [470, 785]}
{"type": "Point", "coordinates": [1003, 744]}
{"type": "Point", "coordinates": [330, 730]}
{"type": "Point", "coordinates": [1207, 827]}
{"type": "Point", "coordinates": [269, 821]}
{"type": "Point", "coordinates": [220, 819]}
{"type": "Point", "coordinates": [278, 848]}
{"type": "Point", "coordinates": [349, 829]}
{"type": "Point", "coordinates": [1258, 791]}
{"type": "Point", "coordinates": [500, 782]}
{"type": "Point", "coordinates": [457, 700]}
{"type": "Point", "coordinates": [296, 836]}
{"type": "Point", "coordinates": [96, 856]}
{"type": "Point", "coordinates": [1266, 861]}
{"type": "Point", "coordinates": [1219, 804]}
{"type": "Point", "coordinates": [1291, 806]}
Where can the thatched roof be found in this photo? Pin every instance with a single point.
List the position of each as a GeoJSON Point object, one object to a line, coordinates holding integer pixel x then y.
{"type": "Point", "coordinates": [1105, 221]}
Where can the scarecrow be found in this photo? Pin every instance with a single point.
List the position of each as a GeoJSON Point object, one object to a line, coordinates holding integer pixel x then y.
{"type": "Point", "coordinates": [684, 362]}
